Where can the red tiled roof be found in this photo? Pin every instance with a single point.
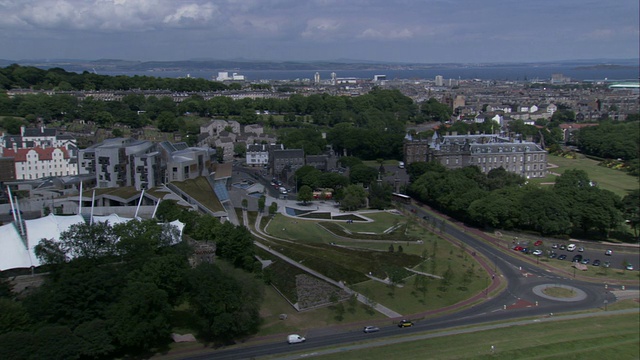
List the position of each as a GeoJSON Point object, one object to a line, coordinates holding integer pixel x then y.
{"type": "Point", "coordinates": [43, 154]}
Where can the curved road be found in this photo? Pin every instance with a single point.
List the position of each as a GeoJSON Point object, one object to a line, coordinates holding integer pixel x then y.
{"type": "Point", "coordinates": [518, 300]}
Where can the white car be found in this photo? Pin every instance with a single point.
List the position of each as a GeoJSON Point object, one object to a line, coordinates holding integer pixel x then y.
{"type": "Point", "coordinates": [537, 252]}
{"type": "Point", "coordinates": [571, 247]}
{"type": "Point", "coordinates": [295, 338]}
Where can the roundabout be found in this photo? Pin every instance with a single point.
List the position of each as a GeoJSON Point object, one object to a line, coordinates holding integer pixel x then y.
{"type": "Point", "coordinates": [578, 295]}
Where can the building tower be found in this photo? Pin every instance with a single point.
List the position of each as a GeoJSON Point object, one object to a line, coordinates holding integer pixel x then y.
{"type": "Point", "coordinates": [316, 78]}
{"type": "Point", "coordinates": [333, 78]}
{"type": "Point", "coordinates": [439, 80]}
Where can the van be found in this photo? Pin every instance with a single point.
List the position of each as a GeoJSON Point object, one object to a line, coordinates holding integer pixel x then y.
{"type": "Point", "coordinates": [571, 247]}
{"type": "Point", "coordinates": [295, 338]}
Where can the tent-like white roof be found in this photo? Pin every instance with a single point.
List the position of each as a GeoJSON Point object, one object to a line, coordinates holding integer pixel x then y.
{"type": "Point", "coordinates": [13, 251]}
{"type": "Point", "coordinates": [48, 227]}
{"type": "Point", "coordinates": [113, 219]}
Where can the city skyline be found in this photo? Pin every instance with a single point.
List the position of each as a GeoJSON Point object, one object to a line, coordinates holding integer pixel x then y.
{"type": "Point", "coordinates": [462, 31]}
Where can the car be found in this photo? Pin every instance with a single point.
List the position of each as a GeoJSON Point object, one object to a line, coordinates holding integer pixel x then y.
{"type": "Point", "coordinates": [563, 247]}
{"type": "Point", "coordinates": [585, 261]}
{"type": "Point", "coordinates": [577, 258]}
{"type": "Point", "coordinates": [629, 267]}
{"type": "Point", "coordinates": [554, 246]}
{"type": "Point", "coordinates": [518, 248]}
{"type": "Point", "coordinates": [581, 249]}
{"type": "Point", "coordinates": [606, 264]}
{"type": "Point", "coordinates": [608, 252]}
{"type": "Point", "coordinates": [596, 262]}
{"type": "Point", "coordinates": [295, 338]}
{"type": "Point", "coordinates": [405, 323]}
{"type": "Point", "coordinates": [553, 255]}
{"type": "Point", "coordinates": [537, 243]}
{"type": "Point", "coordinates": [525, 250]}
{"type": "Point", "coordinates": [571, 247]}
{"type": "Point", "coordinates": [562, 257]}
{"type": "Point", "coordinates": [537, 252]}
{"type": "Point", "coordinates": [370, 329]}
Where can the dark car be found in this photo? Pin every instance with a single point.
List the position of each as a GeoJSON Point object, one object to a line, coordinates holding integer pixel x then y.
{"type": "Point", "coordinates": [562, 257]}
{"type": "Point", "coordinates": [596, 262]}
{"type": "Point", "coordinates": [370, 329]}
{"type": "Point", "coordinates": [405, 323]}
{"type": "Point", "coordinates": [606, 264]}
{"type": "Point", "coordinates": [563, 247]}
{"type": "Point", "coordinates": [577, 258]}
{"type": "Point", "coordinates": [585, 261]}
{"type": "Point", "coordinates": [553, 255]}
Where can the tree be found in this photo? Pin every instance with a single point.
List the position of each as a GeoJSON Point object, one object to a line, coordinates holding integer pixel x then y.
{"type": "Point", "coordinates": [435, 111]}
{"type": "Point", "coordinates": [631, 211]}
{"type": "Point", "coordinates": [362, 174]}
{"type": "Point", "coordinates": [273, 208]}
{"type": "Point", "coordinates": [235, 244]}
{"type": "Point", "coordinates": [95, 340]}
{"type": "Point", "coordinates": [227, 307]}
{"type": "Point", "coordinates": [354, 198]}
{"type": "Point", "coordinates": [380, 195]}
{"type": "Point", "coordinates": [240, 149]}
{"type": "Point", "coordinates": [79, 241]}
{"type": "Point", "coordinates": [140, 319]}
{"type": "Point", "coordinates": [305, 194]}
{"type": "Point", "coordinates": [13, 316]}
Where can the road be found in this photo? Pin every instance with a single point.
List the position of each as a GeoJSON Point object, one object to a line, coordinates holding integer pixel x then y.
{"type": "Point", "coordinates": [518, 300]}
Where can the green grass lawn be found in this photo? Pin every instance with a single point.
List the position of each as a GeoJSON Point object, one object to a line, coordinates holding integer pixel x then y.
{"type": "Point", "coordinates": [200, 190]}
{"type": "Point", "coordinates": [614, 337]}
{"type": "Point", "coordinates": [614, 180]}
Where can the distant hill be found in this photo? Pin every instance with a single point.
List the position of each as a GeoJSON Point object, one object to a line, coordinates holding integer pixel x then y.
{"type": "Point", "coordinates": [115, 65]}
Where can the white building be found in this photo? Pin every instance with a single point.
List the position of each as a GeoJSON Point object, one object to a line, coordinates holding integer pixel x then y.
{"type": "Point", "coordinates": [257, 154]}
{"type": "Point", "coordinates": [37, 162]}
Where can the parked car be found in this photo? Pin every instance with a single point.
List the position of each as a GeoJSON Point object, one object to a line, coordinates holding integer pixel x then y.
{"type": "Point", "coordinates": [405, 323]}
{"type": "Point", "coordinates": [629, 267]}
{"type": "Point", "coordinates": [596, 262]}
{"type": "Point", "coordinates": [553, 255]}
{"type": "Point", "coordinates": [577, 258]}
{"type": "Point", "coordinates": [608, 252]}
{"type": "Point", "coordinates": [525, 250]}
{"type": "Point", "coordinates": [562, 257]}
{"type": "Point", "coordinates": [537, 252]}
{"type": "Point", "coordinates": [518, 248]}
{"type": "Point", "coordinates": [571, 247]}
{"type": "Point", "coordinates": [563, 247]}
{"type": "Point", "coordinates": [581, 249]}
{"type": "Point", "coordinates": [295, 338]}
{"type": "Point", "coordinates": [585, 261]}
{"type": "Point", "coordinates": [554, 246]}
{"type": "Point", "coordinates": [606, 264]}
{"type": "Point", "coordinates": [538, 243]}
{"type": "Point", "coordinates": [370, 329]}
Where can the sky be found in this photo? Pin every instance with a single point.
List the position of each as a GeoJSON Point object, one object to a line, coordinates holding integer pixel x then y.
{"type": "Point", "coordinates": [416, 31]}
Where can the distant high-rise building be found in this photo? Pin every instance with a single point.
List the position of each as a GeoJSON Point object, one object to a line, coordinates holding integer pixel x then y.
{"type": "Point", "coordinates": [439, 80]}
{"type": "Point", "coordinates": [333, 78]}
{"type": "Point", "coordinates": [316, 78]}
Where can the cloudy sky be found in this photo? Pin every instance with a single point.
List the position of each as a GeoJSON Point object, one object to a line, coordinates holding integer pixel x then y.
{"type": "Point", "coordinates": [423, 31]}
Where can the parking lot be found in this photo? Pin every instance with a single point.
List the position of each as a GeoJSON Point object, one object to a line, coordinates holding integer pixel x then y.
{"type": "Point", "coordinates": [585, 253]}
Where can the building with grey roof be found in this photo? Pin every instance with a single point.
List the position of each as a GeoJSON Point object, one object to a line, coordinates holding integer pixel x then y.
{"type": "Point", "coordinates": [486, 151]}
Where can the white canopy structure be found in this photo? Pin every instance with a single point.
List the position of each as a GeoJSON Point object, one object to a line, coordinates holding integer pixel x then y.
{"type": "Point", "coordinates": [15, 253]}
{"type": "Point", "coordinates": [48, 227]}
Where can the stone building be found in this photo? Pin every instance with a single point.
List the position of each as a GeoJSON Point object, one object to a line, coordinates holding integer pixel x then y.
{"type": "Point", "coordinates": [487, 152]}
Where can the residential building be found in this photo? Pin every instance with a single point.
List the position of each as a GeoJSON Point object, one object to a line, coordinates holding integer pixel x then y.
{"type": "Point", "coordinates": [257, 154]}
{"type": "Point", "coordinates": [38, 162]}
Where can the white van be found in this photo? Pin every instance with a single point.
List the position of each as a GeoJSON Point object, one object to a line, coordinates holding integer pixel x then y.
{"type": "Point", "coordinates": [295, 338]}
{"type": "Point", "coordinates": [571, 247]}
